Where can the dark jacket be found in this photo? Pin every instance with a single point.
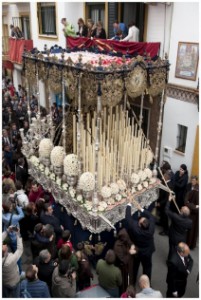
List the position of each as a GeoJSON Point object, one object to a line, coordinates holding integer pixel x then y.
{"type": "Point", "coordinates": [180, 184]}
{"type": "Point", "coordinates": [177, 274]}
{"type": "Point", "coordinates": [101, 35]}
{"type": "Point", "coordinates": [179, 226]}
{"type": "Point", "coordinates": [142, 238]}
{"type": "Point", "coordinates": [45, 271]}
{"type": "Point", "coordinates": [52, 220]}
{"type": "Point", "coordinates": [21, 175]}
{"type": "Point", "coordinates": [62, 286]}
{"type": "Point", "coordinates": [84, 31]}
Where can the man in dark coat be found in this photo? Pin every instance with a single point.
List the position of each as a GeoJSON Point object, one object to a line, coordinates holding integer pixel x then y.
{"type": "Point", "coordinates": [179, 267]}
{"type": "Point", "coordinates": [142, 235]}
{"type": "Point", "coordinates": [21, 172]}
{"type": "Point", "coordinates": [180, 224]}
{"type": "Point", "coordinates": [180, 183]}
{"type": "Point", "coordinates": [192, 202]}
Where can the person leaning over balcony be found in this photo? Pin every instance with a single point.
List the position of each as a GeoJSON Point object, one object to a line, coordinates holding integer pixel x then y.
{"type": "Point", "coordinates": [133, 33]}
{"type": "Point", "coordinates": [99, 32]}
{"type": "Point", "coordinates": [12, 32]}
{"type": "Point", "coordinates": [83, 30]}
{"type": "Point", "coordinates": [68, 29]}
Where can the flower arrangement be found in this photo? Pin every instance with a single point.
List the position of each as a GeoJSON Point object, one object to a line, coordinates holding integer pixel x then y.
{"type": "Point", "coordinates": [122, 185]}
{"type": "Point", "coordinates": [152, 180]}
{"type": "Point", "coordinates": [65, 186]}
{"type": "Point", "coordinates": [87, 182]}
{"type": "Point", "coordinates": [45, 147]}
{"type": "Point", "coordinates": [135, 178]}
{"type": "Point", "coordinates": [148, 172]}
{"type": "Point", "coordinates": [106, 192]}
{"type": "Point", "coordinates": [88, 205]}
{"type": "Point", "coordinates": [102, 206]}
{"type": "Point", "coordinates": [145, 184]}
{"type": "Point", "coordinates": [114, 188]}
{"type": "Point", "coordinates": [111, 201]}
{"type": "Point", "coordinates": [57, 156]}
{"type": "Point", "coordinates": [118, 197]}
{"type": "Point", "coordinates": [142, 175]}
{"type": "Point", "coordinates": [80, 199]}
{"type": "Point", "coordinates": [71, 165]}
{"type": "Point", "coordinates": [52, 176]}
{"type": "Point", "coordinates": [41, 167]}
{"type": "Point", "coordinates": [72, 191]}
{"type": "Point", "coordinates": [58, 181]}
{"type": "Point", "coordinates": [47, 171]}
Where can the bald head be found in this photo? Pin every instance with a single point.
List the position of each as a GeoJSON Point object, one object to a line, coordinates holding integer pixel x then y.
{"type": "Point", "coordinates": [183, 249]}
{"type": "Point", "coordinates": [185, 211]}
{"type": "Point", "coordinates": [144, 281]}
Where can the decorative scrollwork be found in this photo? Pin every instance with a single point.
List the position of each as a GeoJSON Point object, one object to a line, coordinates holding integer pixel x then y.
{"type": "Point", "coordinates": [136, 81]}
{"type": "Point", "coordinates": [157, 81]}
{"type": "Point", "coordinates": [55, 79]}
{"type": "Point", "coordinates": [112, 90]}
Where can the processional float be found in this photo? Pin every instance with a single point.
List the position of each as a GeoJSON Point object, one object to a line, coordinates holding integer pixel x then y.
{"type": "Point", "coordinates": [102, 153]}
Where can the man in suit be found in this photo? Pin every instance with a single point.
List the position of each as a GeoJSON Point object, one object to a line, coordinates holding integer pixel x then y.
{"type": "Point", "coordinates": [142, 235]}
{"type": "Point", "coordinates": [180, 224]}
{"type": "Point", "coordinates": [146, 290]}
{"type": "Point", "coordinates": [161, 203]}
{"type": "Point", "coordinates": [21, 172]}
{"type": "Point", "coordinates": [179, 267]}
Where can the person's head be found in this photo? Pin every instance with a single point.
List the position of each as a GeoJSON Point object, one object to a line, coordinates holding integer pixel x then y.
{"type": "Point", "coordinates": [79, 255]}
{"type": "Point", "coordinates": [11, 26]}
{"type": "Point", "coordinates": [65, 252]}
{"type": "Point", "coordinates": [90, 23]}
{"type": "Point", "coordinates": [80, 22]}
{"type": "Point", "coordinates": [34, 186]}
{"type": "Point", "coordinates": [185, 211]}
{"type": "Point", "coordinates": [66, 235]}
{"type": "Point", "coordinates": [143, 223]}
{"type": "Point", "coordinates": [63, 267]}
{"type": "Point", "coordinates": [183, 169]}
{"type": "Point", "coordinates": [116, 24]}
{"type": "Point", "coordinates": [167, 175]}
{"type": "Point", "coordinates": [44, 256]}
{"type": "Point", "coordinates": [7, 206]}
{"type": "Point", "coordinates": [26, 124]}
{"type": "Point", "coordinates": [30, 209]}
{"type": "Point", "coordinates": [38, 227]}
{"type": "Point", "coordinates": [194, 180]}
{"type": "Point", "coordinates": [31, 273]}
{"type": "Point", "coordinates": [119, 32]}
{"type": "Point", "coordinates": [80, 246]}
{"type": "Point", "coordinates": [7, 173]}
{"type": "Point", "coordinates": [123, 235]}
{"type": "Point", "coordinates": [48, 209]}
{"type": "Point", "coordinates": [18, 185]}
{"type": "Point", "coordinates": [130, 291]}
{"type": "Point", "coordinates": [5, 133]}
{"type": "Point", "coordinates": [99, 25]}
{"type": "Point", "coordinates": [132, 23]}
{"type": "Point", "coordinates": [64, 21]}
{"type": "Point", "coordinates": [110, 257]}
{"type": "Point", "coordinates": [144, 282]}
{"type": "Point", "coordinates": [165, 165]}
{"type": "Point", "coordinates": [14, 126]}
{"type": "Point", "coordinates": [183, 249]}
{"type": "Point", "coordinates": [21, 161]}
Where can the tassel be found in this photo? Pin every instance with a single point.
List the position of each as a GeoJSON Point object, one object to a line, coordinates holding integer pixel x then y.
{"type": "Point", "coordinates": [120, 225]}
{"type": "Point", "coordinates": [90, 237]}
{"type": "Point", "coordinates": [99, 238]}
{"type": "Point", "coordinates": [115, 233]}
{"type": "Point", "coordinates": [75, 223]}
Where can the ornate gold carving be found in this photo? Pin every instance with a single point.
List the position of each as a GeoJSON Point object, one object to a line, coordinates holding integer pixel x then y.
{"type": "Point", "coordinates": [42, 71]}
{"type": "Point", "coordinates": [157, 81]}
{"type": "Point", "coordinates": [112, 88]}
{"type": "Point", "coordinates": [30, 72]}
{"type": "Point", "coordinates": [136, 82]}
{"type": "Point", "coordinates": [55, 79]}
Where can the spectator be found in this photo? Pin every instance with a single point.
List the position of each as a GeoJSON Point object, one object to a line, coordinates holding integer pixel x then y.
{"type": "Point", "coordinates": [146, 290]}
{"type": "Point", "coordinates": [83, 30]}
{"type": "Point", "coordinates": [68, 28]}
{"type": "Point", "coordinates": [99, 32]}
{"type": "Point", "coordinates": [129, 293]}
{"type": "Point", "coordinates": [10, 270]}
{"type": "Point", "coordinates": [63, 281]}
{"type": "Point", "coordinates": [180, 184]}
{"type": "Point", "coordinates": [45, 266]}
{"type": "Point", "coordinates": [18, 33]}
{"type": "Point", "coordinates": [29, 221]}
{"type": "Point", "coordinates": [35, 287]}
{"type": "Point", "coordinates": [20, 196]}
{"type": "Point", "coordinates": [192, 202]}
{"type": "Point", "coordinates": [12, 214]}
{"type": "Point", "coordinates": [120, 27]}
{"type": "Point", "coordinates": [65, 240]}
{"type": "Point", "coordinates": [91, 28]}
{"type": "Point", "coordinates": [21, 172]}
{"type": "Point", "coordinates": [7, 180]}
{"type": "Point", "coordinates": [84, 271]}
{"type": "Point", "coordinates": [66, 254]}
{"type": "Point", "coordinates": [12, 32]}
{"type": "Point", "coordinates": [179, 267]}
{"type": "Point", "coordinates": [36, 192]}
{"type": "Point", "coordinates": [133, 33]}
{"type": "Point", "coordinates": [109, 276]}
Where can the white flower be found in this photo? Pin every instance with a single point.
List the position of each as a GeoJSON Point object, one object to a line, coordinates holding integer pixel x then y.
{"type": "Point", "coordinates": [47, 171]}
{"type": "Point", "coordinates": [52, 176]}
{"type": "Point", "coordinates": [135, 178]}
{"type": "Point", "coordinates": [57, 156]}
{"type": "Point", "coordinates": [139, 187]}
{"type": "Point", "coordinates": [148, 172]}
{"type": "Point", "coordinates": [65, 186]}
{"type": "Point", "coordinates": [72, 192]}
{"type": "Point", "coordinates": [118, 197]}
{"type": "Point", "coordinates": [106, 192]}
{"type": "Point", "coordinates": [45, 147]}
{"type": "Point", "coordinates": [34, 160]}
{"type": "Point", "coordinates": [80, 198]}
{"type": "Point", "coordinates": [152, 180]}
{"type": "Point", "coordinates": [145, 184]}
{"type": "Point", "coordinates": [133, 190]}
{"type": "Point", "coordinates": [101, 208]}
{"type": "Point", "coordinates": [58, 181]}
{"type": "Point", "coordinates": [142, 175]}
{"type": "Point", "coordinates": [71, 165]}
{"type": "Point", "coordinates": [122, 185]}
{"type": "Point", "coordinates": [114, 188]}
{"type": "Point", "coordinates": [41, 167]}
{"type": "Point", "coordinates": [111, 201]}
{"type": "Point", "coordinates": [87, 182]}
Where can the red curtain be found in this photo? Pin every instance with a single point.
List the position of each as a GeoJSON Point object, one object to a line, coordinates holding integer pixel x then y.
{"type": "Point", "coordinates": [8, 65]}
{"type": "Point", "coordinates": [110, 45]}
{"type": "Point", "coordinates": [16, 48]}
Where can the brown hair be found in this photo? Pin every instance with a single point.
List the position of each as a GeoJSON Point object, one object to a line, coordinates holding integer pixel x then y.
{"type": "Point", "coordinates": [110, 257]}
{"type": "Point", "coordinates": [30, 273]}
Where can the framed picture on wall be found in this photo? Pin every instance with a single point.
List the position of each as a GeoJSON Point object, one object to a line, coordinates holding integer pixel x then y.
{"type": "Point", "coordinates": [187, 60]}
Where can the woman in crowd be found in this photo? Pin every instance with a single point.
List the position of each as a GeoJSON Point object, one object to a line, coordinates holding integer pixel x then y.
{"type": "Point", "coordinates": [99, 32]}
{"type": "Point", "coordinates": [91, 27]}
{"type": "Point", "coordinates": [82, 28]}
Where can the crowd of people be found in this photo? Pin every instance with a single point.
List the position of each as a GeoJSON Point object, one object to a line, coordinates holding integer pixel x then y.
{"type": "Point", "coordinates": [96, 30]}
{"type": "Point", "coordinates": [60, 268]}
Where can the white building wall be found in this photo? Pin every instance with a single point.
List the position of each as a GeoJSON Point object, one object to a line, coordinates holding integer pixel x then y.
{"type": "Point", "coordinates": [185, 28]}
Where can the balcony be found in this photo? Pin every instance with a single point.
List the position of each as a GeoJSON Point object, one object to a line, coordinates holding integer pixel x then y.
{"type": "Point", "coordinates": [16, 48]}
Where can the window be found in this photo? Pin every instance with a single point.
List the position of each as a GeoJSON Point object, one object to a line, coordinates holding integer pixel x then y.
{"type": "Point", "coordinates": [181, 138]}
{"type": "Point", "coordinates": [96, 11]}
{"type": "Point", "coordinates": [47, 18]}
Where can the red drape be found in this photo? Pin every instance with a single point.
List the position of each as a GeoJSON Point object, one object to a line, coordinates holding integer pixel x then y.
{"type": "Point", "coordinates": [16, 48]}
{"type": "Point", "coordinates": [8, 65]}
{"type": "Point", "coordinates": [108, 45]}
